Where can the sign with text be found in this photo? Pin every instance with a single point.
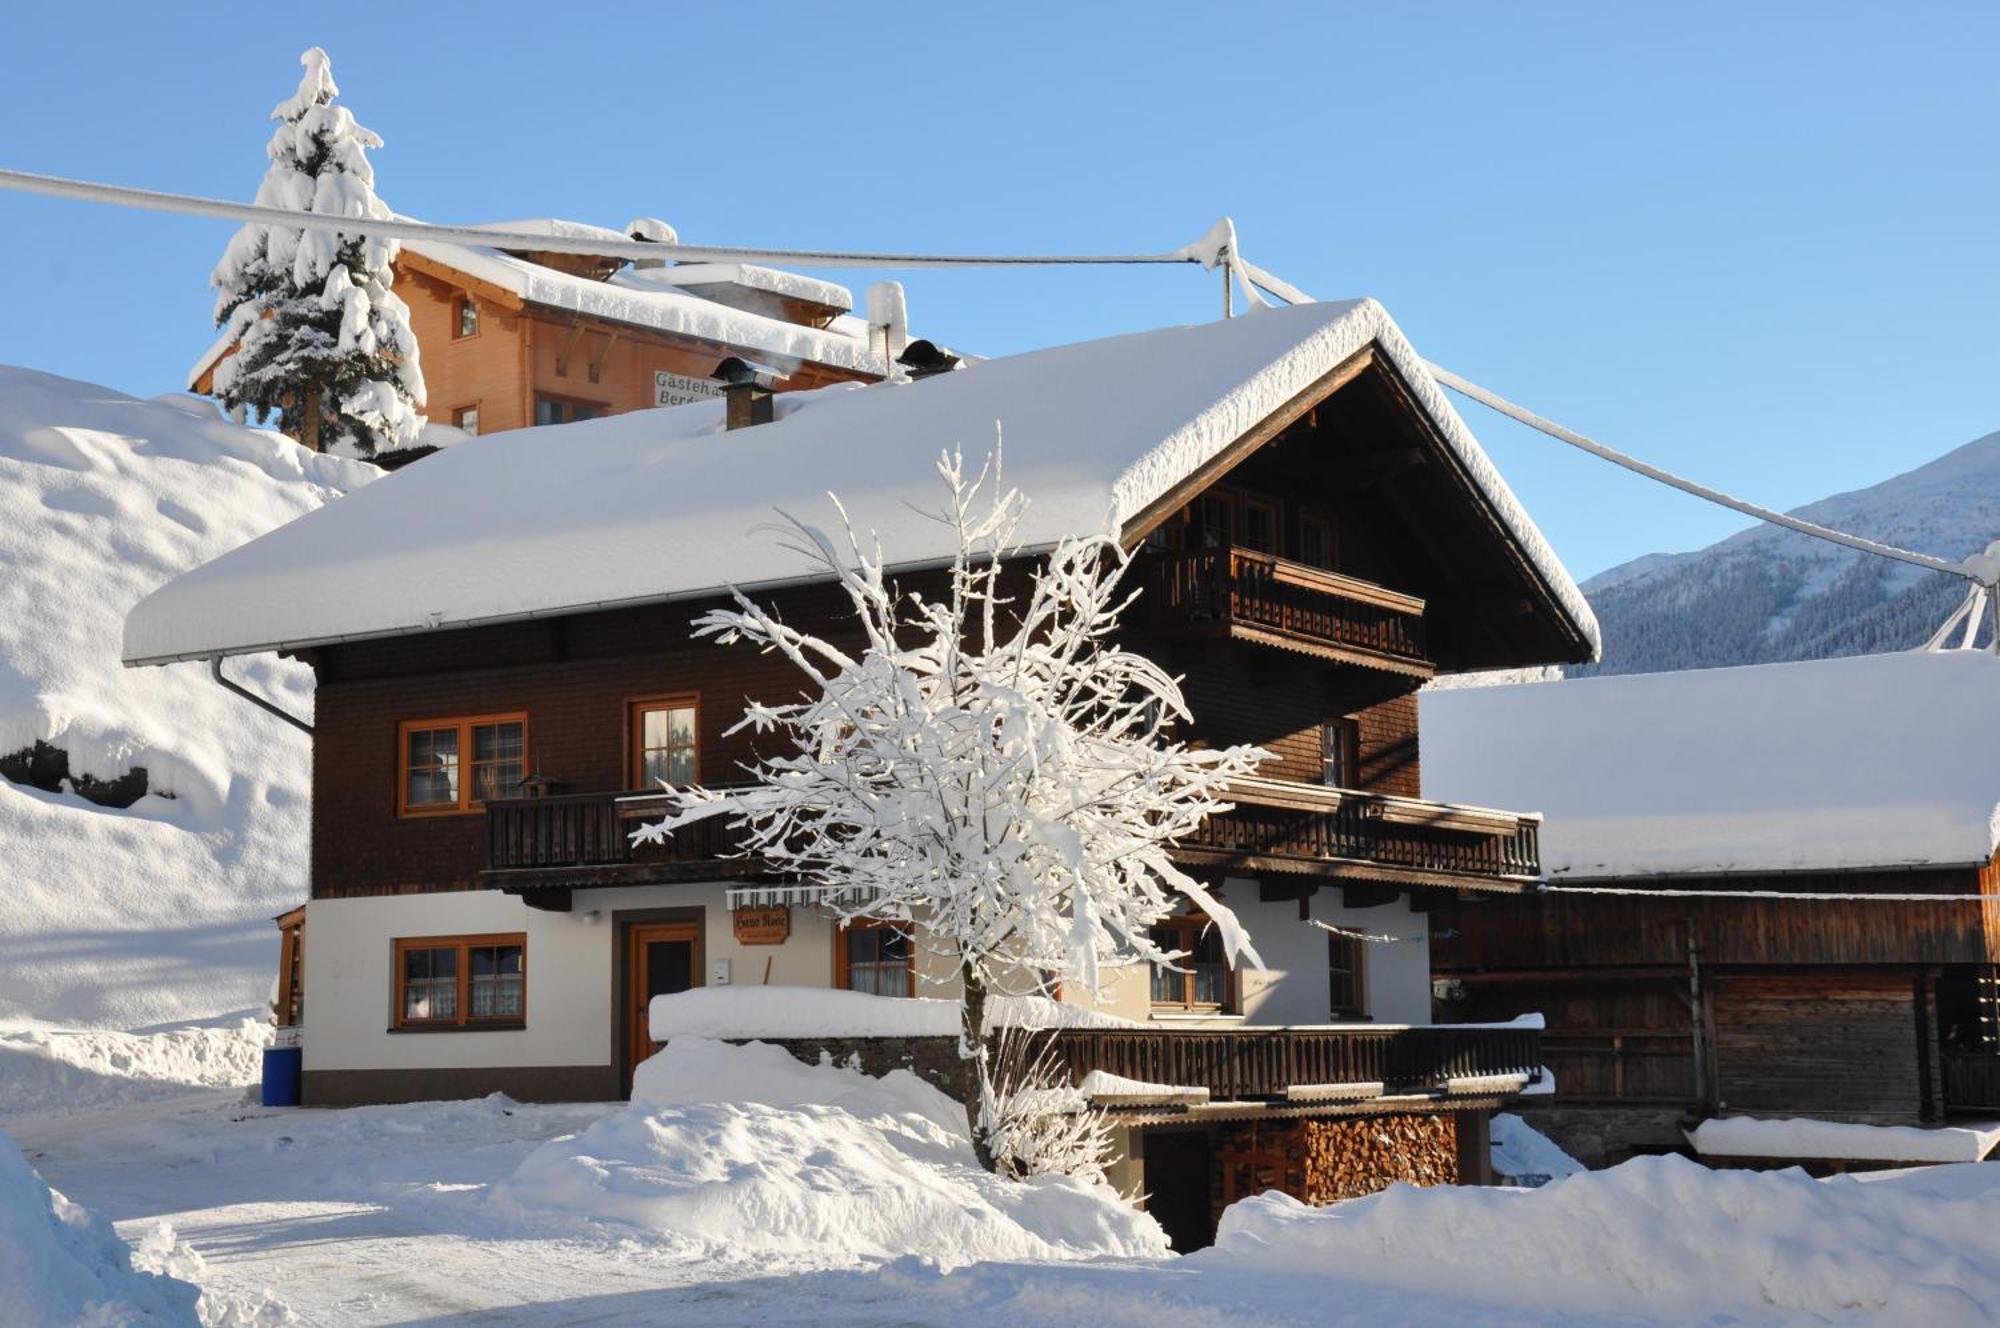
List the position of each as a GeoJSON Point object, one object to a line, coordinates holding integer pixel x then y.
{"type": "Point", "coordinates": [672, 389]}
{"type": "Point", "coordinates": [770, 925]}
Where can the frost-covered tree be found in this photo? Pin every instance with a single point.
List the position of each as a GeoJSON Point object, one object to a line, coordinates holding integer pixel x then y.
{"type": "Point", "coordinates": [321, 340]}
{"type": "Point", "coordinates": [989, 765]}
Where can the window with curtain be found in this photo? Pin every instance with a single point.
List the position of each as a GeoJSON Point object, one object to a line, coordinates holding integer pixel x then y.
{"type": "Point", "coordinates": [664, 743]}
{"type": "Point", "coordinates": [1347, 979]}
{"type": "Point", "coordinates": [876, 957]}
{"type": "Point", "coordinates": [1201, 981]}
{"type": "Point", "coordinates": [454, 765]}
{"type": "Point", "coordinates": [461, 981]}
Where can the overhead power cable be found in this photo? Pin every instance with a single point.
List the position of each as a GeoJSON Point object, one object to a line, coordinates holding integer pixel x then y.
{"type": "Point", "coordinates": [1820, 895]}
{"type": "Point", "coordinates": [403, 228]}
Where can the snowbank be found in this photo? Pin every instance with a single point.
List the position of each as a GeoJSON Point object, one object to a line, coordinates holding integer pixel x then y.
{"type": "Point", "coordinates": [1803, 1137]}
{"type": "Point", "coordinates": [1523, 1155]}
{"type": "Point", "coordinates": [817, 1012]}
{"type": "Point", "coordinates": [161, 911]}
{"type": "Point", "coordinates": [60, 1266]}
{"type": "Point", "coordinates": [1681, 1241]}
{"type": "Point", "coordinates": [728, 1152]}
{"type": "Point", "coordinates": [45, 1070]}
{"type": "Point", "coordinates": [1737, 769]}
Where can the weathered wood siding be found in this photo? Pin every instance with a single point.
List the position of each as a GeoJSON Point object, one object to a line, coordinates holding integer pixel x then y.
{"type": "Point", "coordinates": [1831, 1044]}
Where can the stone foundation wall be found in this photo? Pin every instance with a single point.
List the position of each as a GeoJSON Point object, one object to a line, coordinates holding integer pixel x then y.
{"type": "Point", "coordinates": [935, 1060]}
{"type": "Point", "coordinates": [1603, 1136]}
{"type": "Point", "coordinates": [1318, 1161]}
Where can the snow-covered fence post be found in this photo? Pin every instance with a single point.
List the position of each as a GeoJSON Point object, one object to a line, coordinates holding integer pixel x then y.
{"type": "Point", "coordinates": [320, 338]}
{"type": "Point", "coordinates": [989, 766]}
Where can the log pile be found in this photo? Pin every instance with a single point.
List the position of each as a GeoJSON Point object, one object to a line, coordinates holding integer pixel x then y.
{"type": "Point", "coordinates": [1320, 1161]}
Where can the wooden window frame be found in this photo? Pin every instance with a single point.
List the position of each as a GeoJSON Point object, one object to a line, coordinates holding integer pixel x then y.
{"type": "Point", "coordinates": [598, 409]}
{"type": "Point", "coordinates": [842, 974]}
{"type": "Point", "coordinates": [635, 740]}
{"type": "Point", "coordinates": [458, 415]}
{"type": "Point", "coordinates": [1192, 925]}
{"type": "Point", "coordinates": [466, 804]}
{"type": "Point", "coordinates": [1349, 730]}
{"type": "Point", "coordinates": [291, 1002]}
{"type": "Point", "coordinates": [459, 304]}
{"type": "Point", "coordinates": [464, 1020]}
{"type": "Point", "coordinates": [1239, 521]}
{"type": "Point", "coordinates": [1313, 516]}
{"type": "Point", "coordinates": [1358, 1011]}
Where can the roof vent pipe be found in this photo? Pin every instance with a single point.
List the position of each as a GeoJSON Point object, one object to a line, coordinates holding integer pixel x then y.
{"type": "Point", "coordinates": [746, 392]}
{"type": "Point", "coordinates": [655, 231]}
{"type": "Point", "coordinates": [888, 324]}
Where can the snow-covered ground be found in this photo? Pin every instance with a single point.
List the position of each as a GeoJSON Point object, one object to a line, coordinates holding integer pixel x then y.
{"type": "Point", "coordinates": [682, 1209]}
{"type": "Point", "coordinates": [160, 912]}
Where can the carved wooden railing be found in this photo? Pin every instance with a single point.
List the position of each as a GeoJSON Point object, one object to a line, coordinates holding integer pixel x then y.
{"type": "Point", "coordinates": [1234, 587]}
{"type": "Point", "coordinates": [1247, 1064]}
{"type": "Point", "coordinates": [593, 830]}
{"type": "Point", "coordinates": [1277, 824]}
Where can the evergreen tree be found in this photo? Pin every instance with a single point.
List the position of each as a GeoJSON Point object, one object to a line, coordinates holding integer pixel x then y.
{"type": "Point", "coordinates": [321, 341]}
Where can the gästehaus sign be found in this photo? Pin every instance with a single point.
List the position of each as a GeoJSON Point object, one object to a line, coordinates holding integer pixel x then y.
{"type": "Point", "coordinates": [672, 389]}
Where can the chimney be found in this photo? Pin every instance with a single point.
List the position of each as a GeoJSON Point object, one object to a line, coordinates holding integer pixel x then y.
{"type": "Point", "coordinates": [888, 323]}
{"type": "Point", "coordinates": [925, 359]}
{"type": "Point", "coordinates": [654, 230]}
{"type": "Point", "coordinates": [746, 392]}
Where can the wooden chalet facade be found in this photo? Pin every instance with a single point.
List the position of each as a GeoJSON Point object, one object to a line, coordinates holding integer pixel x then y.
{"type": "Point", "coordinates": [533, 337]}
{"type": "Point", "coordinates": [1306, 567]}
{"type": "Point", "coordinates": [1695, 992]}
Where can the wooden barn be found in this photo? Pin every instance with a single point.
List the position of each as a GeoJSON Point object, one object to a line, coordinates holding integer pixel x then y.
{"type": "Point", "coordinates": [518, 337]}
{"type": "Point", "coordinates": [1792, 890]}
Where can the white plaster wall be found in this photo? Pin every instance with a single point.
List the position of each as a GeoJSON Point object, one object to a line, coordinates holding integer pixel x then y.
{"type": "Point", "coordinates": [570, 966]}
{"type": "Point", "coordinates": [350, 989]}
{"type": "Point", "coordinates": [1292, 987]}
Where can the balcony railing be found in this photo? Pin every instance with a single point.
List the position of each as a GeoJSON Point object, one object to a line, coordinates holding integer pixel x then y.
{"type": "Point", "coordinates": [1281, 826]}
{"type": "Point", "coordinates": [1258, 596]}
{"type": "Point", "coordinates": [588, 836]}
{"type": "Point", "coordinates": [1253, 1064]}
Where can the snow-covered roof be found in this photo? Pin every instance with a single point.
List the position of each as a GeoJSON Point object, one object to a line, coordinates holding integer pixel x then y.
{"type": "Point", "coordinates": [662, 504]}
{"type": "Point", "coordinates": [651, 298]}
{"type": "Point", "coordinates": [694, 276]}
{"type": "Point", "coordinates": [1839, 764]}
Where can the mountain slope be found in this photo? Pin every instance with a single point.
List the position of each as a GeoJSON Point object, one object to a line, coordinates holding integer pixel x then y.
{"type": "Point", "coordinates": [1767, 594]}
{"type": "Point", "coordinates": [160, 910]}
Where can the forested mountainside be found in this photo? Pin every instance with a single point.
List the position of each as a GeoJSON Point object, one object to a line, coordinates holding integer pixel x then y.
{"type": "Point", "coordinates": [1768, 594]}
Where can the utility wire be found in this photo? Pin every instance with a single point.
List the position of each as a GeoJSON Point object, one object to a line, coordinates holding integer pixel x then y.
{"type": "Point", "coordinates": [1821, 895]}
{"type": "Point", "coordinates": [402, 228]}
{"type": "Point", "coordinates": [1254, 278]}
{"type": "Point", "coordinates": [1699, 490]}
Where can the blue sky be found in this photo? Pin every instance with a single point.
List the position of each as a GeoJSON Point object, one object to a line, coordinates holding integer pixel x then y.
{"type": "Point", "coordinates": [1756, 243]}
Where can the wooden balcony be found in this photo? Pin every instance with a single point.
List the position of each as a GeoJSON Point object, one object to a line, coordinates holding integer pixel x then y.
{"type": "Point", "coordinates": [580, 840]}
{"type": "Point", "coordinates": [1304, 1067]}
{"type": "Point", "coordinates": [1249, 596]}
{"type": "Point", "coordinates": [1280, 826]}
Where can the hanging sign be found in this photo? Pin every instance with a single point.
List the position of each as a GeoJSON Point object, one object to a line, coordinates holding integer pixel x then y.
{"type": "Point", "coordinates": [672, 389]}
{"type": "Point", "coordinates": [769, 925]}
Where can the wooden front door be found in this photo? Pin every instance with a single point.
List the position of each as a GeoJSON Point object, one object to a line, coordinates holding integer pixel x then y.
{"type": "Point", "coordinates": [660, 959]}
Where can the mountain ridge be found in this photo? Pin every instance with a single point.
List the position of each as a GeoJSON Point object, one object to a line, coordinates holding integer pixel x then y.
{"type": "Point", "coordinates": [1766, 594]}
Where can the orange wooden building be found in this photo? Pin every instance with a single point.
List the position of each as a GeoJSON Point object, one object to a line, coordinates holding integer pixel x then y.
{"type": "Point", "coordinates": [511, 338]}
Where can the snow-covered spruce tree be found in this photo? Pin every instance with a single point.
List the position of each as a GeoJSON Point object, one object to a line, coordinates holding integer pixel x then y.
{"type": "Point", "coordinates": [321, 340]}
{"type": "Point", "coordinates": [995, 770]}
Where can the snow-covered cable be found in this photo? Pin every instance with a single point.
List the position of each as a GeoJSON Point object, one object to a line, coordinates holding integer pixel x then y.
{"type": "Point", "coordinates": [1373, 938]}
{"type": "Point", "coordinates": [1823, 895]}
{"type": "Point", "coordinates": [1699, 490]}
{"type": "Point", "coordinates": [402, 228]}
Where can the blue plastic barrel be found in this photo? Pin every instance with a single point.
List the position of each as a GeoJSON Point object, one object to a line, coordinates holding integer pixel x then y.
{"type": "Point", "coordinates": [281, 1076]}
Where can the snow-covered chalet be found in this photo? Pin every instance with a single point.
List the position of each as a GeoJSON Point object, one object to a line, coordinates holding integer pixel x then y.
{"type": "Point", "coordinates": [502, 647]}
{"type": "Point", "coordinates": [1792, 903]}
{"type": "Point", "coordinates": [523, 336]}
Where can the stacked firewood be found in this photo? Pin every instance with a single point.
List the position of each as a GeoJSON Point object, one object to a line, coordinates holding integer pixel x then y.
{"type": "Point", "coordinates": [1320, 1161]}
